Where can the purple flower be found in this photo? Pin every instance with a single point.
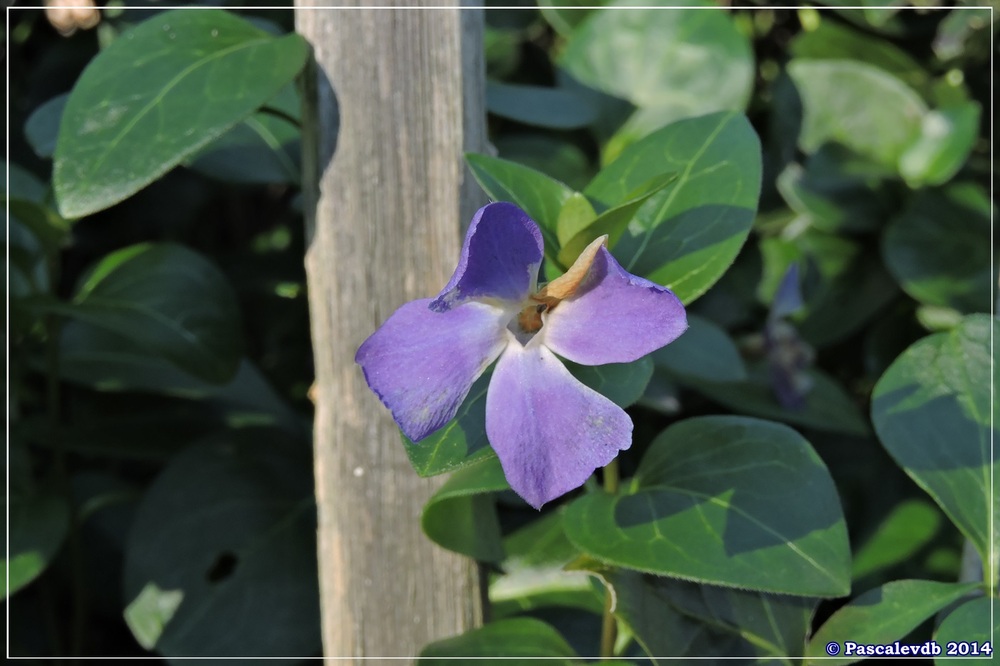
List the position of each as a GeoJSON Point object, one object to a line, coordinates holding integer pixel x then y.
{"type": "Point", "coordinates": [549, 430]}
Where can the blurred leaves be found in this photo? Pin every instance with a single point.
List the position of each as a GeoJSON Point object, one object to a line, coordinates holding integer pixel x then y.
{"type": "Point", "coordinates": [38, 526]}
{"type": "Point", "coordinates": [836, 97]}
{"type": "Point", "coordinates": [938, 248]}
{"type": "Point", "coordinates": [670, 63]}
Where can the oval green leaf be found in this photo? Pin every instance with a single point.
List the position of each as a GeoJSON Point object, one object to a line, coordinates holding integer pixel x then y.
{"type": "Point", "coordinates": [910, 526]}
{"type": "Point", "coordinates": [158, 94]}
{"type": "Point", "coordinates": [461, 515]}
{"type": "Point", "coordinates": [938, 248]}
{"type": "Point", "coordinates": [38, 526]}
{"type": "Point", "coordinates": [537, 105]}
{"type": "Point", "coordinates": [689, 61]}
{"type": "Point", "coordinates": [882, 615]}
{"type": "Point", "coordinates": [828, 406]}
{"type": "Point", "coordinates": [541, 197]}
{"type": "Point", "coordinates": [856, 105]}
{"type": "Point", "coordinates": [687, 234]}
{"type": "Point", "coordinates": [622, 383]}
{"type": "Point", "coordinates": [945, 141]}
{"type": "Point", "coordinates": [512, 642]}
{"type": "Point", "coordinates": [705, 351]}
{"type": "Point", "coordinates": [169, 302]}
{"type": "Point", "coordinates": [719, 500]}
{"type": "Point", "coordinates": [932, 412]}
{"type": "Point", "coordinates": [461, 442]}
{"type": "Point", "coordinates": [969, 623]}
{"type": "Point", "coordinates": [224, 524]}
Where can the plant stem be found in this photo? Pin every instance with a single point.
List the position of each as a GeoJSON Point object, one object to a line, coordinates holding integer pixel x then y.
{"type": "Point", "coordinates": [611, 477]}
{"type": "Point", "coordinates": [609, 627]}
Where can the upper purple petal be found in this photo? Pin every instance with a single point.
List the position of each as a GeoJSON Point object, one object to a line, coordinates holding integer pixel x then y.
{"type": "Point", "coordinates": [614, 317]}
{"type": "Point", "coordinates": [422, 363]}
{"type": "Point", "coordinates": [500, 258]}
{"type": "Point", "coordinates": [550, 431]}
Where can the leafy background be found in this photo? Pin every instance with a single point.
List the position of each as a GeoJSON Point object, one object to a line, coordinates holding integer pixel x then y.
{"type": "Point", "coordinates": [159, 450]}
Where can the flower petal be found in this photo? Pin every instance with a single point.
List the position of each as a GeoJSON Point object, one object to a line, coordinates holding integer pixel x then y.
{"type": "Point", "coordinates": [614, 317]}
{"type": "Point", "coordinates": [550, 431]}
{"type": "Point", "coordinates": [422, 363]}
{"type": "Point", "coordinates": [500, 258]}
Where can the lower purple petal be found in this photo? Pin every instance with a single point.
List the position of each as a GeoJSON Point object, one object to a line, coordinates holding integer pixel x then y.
{"type": "Point", "coordinates": [550, 431]}
{"type": "Point", "coordinates": [422, 363]}
{"type": "Point", "coordinates": [614, 317]}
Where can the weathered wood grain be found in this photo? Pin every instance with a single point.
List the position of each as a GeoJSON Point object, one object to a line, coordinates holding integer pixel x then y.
{"type": "Point", "coordinates": [398, 98]}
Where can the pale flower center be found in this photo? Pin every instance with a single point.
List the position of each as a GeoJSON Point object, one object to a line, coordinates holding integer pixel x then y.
{"type": "Point", "coordinates": [529, 320]}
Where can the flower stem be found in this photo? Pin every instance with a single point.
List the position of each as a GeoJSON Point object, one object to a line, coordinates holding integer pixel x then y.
{"type": "Point", "coordinates": [609, 627]}
{"type": "Point", "coordinates": [611, 477]}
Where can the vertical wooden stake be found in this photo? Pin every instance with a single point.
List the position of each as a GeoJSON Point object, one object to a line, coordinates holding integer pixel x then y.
{"type": "Point", "coordinates": [397, 96]}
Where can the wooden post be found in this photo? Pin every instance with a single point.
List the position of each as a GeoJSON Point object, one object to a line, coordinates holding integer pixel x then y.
{"type": "Point", "coordinates": [397, 96]}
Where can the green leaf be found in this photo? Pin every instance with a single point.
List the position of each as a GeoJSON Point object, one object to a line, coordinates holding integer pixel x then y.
{"type": "Point", "coordinates": [828, 406]}
{"type": "Point", "coordinates": [150, 613]}
{"type": "Point", "coordinates": [461, 515]}
{"type": "Point", "coordinates": [45, 224]}
{"type": "Point", "coordinates": [27, 269]}
{"type": "Point", "coordinates": [167, 301]}
{"type": "Point", "coordinates": [511, 642]}
{"type": "Point", "coordinates": [42, 126]}
{"type": "Point", "coordinates": [613, 221]}
{"type": "Point", "coordinates": [909, 527]}
{"type": "Point", "coordinates": [718, 500]}
{"type": "Point", "coordinates": [623, 383]}
{"type": "Point", "coordinates": [938, 248]}
{"type": "Point", "coordinates": [159, 93]}
{"type": "Point", "coordinates": [576, 214]}
{"type": "Point", "coordinates": [462, 441]}
{"type": "Point", "coordinates": [223, 524]}
{"type": "Point", "coordinates": [683, 61]}
{"type": "Point", "coordinates": [969, 623]}
{"type": "Point", "coordinates": [837, 41]}
{"type": "Point", "coordinates": [944, 143]}
{"type": "Point", "coordinates": [552, 154]}
{"type": "Point", "coordinates": [541, 197]}
{"type": "Point", "coordinates": [556, 108]}
{"type": "Point", "coordinates": [645, 605]}
{"type": "Point", "coordinates": [857, 105]}
{"type": "Point", "coordinates": [563, 15]}
{"type": "Point", "coordinates": [775, 625]}
{"type": "Point", "coordinates": [107, 361]}
{"type": "Point", "coordinates": [882, 615]}
{"type": "Point", "coordinates": [38, 526]}
{"type": "Point", "coordinates": [932, 411]}
{"type": "Point", "coordinates": [957, 32]}
{"type": "Point", "coordinates": [704, 352]}
{"type": "Point", "coordinates": [686, 235]}
{"type": "Point", "coordinates": [535, 574]}
{"type": "Point", "coordinates": [22, 184]}
{"type": "Point", "coordinates": [263, 148]}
